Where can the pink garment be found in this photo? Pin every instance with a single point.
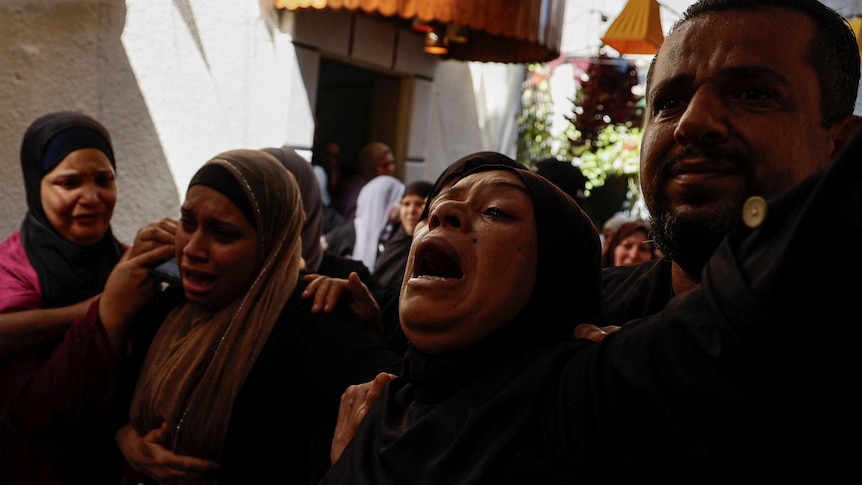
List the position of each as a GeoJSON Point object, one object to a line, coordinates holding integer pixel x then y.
{"type": "Point", "coordinates": [19, 283]}
{"type": "Point", "coordinates": [56, 402]}
{"type": "Point", "coordinates": [52, 398]}
{"type": "Point", "coordinates": [40, 387]}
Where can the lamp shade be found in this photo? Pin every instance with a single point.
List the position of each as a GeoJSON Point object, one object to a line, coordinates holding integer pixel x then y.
{"type": "Point", "coordinates": [637, 29]}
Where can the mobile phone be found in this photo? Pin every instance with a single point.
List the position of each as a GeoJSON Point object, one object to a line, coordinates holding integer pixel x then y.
{"type": "Point", "coordinates": [168, 272]}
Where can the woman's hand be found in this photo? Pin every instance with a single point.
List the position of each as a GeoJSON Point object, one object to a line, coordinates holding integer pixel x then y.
{"type": "Point", "coordinates": [130, 286]}
{"type": "Point", "coordinates": [155, 234]}
{"type": "Point", "coordinates": [355, 403]}
{"type": "Point", "coordinates": [326, 292]}
{"type": "Point", "coordinates": [591, 332]}
{"type": "Point", "coordinates": [150, 455]}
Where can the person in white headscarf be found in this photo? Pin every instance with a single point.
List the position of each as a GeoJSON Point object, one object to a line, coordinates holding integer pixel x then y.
{"type": "Point", "coordinates": [375, 210]}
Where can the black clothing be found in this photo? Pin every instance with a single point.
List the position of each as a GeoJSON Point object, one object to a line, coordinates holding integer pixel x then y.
{"type": "Point", "coordinates": [68, 273]}
{"type": "Point", "coordinates": [460, 417]}
{"type": "Point", "coordinates": [725, 385]}
{"type": "Point", "coordinates": [393, 335]}
{"type": "Point", "coordinates": [630, 292]}
{"type": "Point", "coordinates": [284, 416]}
{"type": "Point", "coordinates": [341, 239]}
{"type": "Point", "coordinates": [293, 392]}
{"type": "Point", "coordinates": [331, 219]}
{"type": "Point", "coordinates": [480, 416]}
{"type": "Point", "coordinates": [386, 297]}
{"type": "Point", "coordinates": [340, 267]}
{"type": "Point", "coordinates": [389, 267]}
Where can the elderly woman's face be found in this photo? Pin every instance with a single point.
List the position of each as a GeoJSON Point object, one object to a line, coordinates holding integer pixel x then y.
{"type": "Point", "coordinates": [216, 248]}
{"type": "Point", "coordinates": [79, 194]}
{"type": "Point", "coordinates": [472, 267]}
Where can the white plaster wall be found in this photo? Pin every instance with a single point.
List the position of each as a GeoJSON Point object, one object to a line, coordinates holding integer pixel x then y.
{"type": "Point", "coordinates": [453, 124]}
{"type": "Point", "coordinates": [174, 81]}
{"type": "Point", "coordinates": [178, 81]}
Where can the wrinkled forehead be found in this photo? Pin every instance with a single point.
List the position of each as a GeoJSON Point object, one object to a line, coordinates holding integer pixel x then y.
{"type": "Point", "coordinates": [500, 175]}
{"type": "Point", "coordinates": [486, 183]}
{"type": "Point", "coordinates": [773, 37]}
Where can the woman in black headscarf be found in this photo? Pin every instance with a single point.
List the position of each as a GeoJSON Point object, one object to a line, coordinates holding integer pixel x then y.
{"type": "Point", "coordinates": [494, 280]}
{"type": "Point", "coordinates": [54, 374]}
{"type": "Point", "coordinates": [378, 305]}
{"type": "Point", "coordinates": [739, 380]}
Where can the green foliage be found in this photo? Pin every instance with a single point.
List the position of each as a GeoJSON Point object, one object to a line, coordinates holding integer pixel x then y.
{"type": "Point", "coordinates": [535, 140]}
{"type": "Point", "coordinates": [604, 133]}
{"type": "Point", "coordinates": [604, 98]}
{"type": "Point", "coordinates": [615, 151]}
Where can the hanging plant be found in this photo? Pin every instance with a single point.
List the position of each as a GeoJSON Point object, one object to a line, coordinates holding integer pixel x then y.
{"type": "Point", "coordinates": [615, 151]}
{"type": "Point", "coordinates": [535, 140]}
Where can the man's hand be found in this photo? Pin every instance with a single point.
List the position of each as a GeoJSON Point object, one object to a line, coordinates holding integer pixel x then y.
{"type": "Point", "coordinates": [150, 455]}
{"type": "Point", "coordinates": [355, 403]}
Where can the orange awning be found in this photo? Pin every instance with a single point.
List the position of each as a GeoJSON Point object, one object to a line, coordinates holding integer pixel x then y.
{"type": "Point", "coordinates": [637, 29]}
{"type": "Point", "coordinates": [513, 31]}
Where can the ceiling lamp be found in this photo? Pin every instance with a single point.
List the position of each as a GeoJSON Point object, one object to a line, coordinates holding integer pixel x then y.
{"type": "Point", "coordinates": [435, 44]}
{"type": "Point", "coordinates": [637, 29]}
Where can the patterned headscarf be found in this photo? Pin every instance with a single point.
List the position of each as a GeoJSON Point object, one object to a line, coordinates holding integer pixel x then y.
{"type": "Point", "coordinates": [198, 361]}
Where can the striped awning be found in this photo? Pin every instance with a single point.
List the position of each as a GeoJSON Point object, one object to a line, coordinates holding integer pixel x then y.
{"type": "Point", "coordinates": [509, 31]}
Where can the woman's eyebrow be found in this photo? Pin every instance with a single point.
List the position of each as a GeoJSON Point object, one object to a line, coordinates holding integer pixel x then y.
{"type": "Point", "coordinates": [507, 184]}
{"type": "Point", "coordinates": [493, 185]}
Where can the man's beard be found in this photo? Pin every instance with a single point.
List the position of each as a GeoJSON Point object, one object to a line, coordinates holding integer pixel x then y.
{"type": "Point", "coordinates": [689, 240]}
{"type": "Point", "coordinates": [690, 237]}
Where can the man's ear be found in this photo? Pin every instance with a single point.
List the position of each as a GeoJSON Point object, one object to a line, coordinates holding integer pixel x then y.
{"type": "Point", "coordinates": [843, 132]}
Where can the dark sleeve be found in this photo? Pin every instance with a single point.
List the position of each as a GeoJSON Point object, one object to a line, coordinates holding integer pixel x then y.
{"type": "Point", "coordinates": [341, 239]}
{"type": "Point", "coordinates": [393, 336]}
{"type": "Point", "coordinates": [340, 267]}
{"type": "Point", "coordinates": [72, 379]}
{"type": "Point", "coordinates": [284, 417]}
{"type": "Point", "coordinates": [631, 292]}
{"type": "Point", "coordinates": [753, 376]}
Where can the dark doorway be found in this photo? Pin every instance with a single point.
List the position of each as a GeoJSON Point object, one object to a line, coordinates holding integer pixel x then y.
{"type": "Point", "coordinates": [356, 106]}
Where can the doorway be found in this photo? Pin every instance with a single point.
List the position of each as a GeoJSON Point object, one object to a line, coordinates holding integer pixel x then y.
{"type": "Point", "coordinates": [356, 106]}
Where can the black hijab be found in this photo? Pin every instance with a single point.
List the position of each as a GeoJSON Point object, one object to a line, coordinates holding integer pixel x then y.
{"type": "Point", "coordinates": [567, 291]}
{"type": "Point", "coordinates": [463, 165]}
{"type": "Point", "coordinates": [68, 273]}
{"type": "Point", "coordinates": [475, 415]}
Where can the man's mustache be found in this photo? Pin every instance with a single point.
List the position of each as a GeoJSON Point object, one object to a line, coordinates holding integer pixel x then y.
{"type": "Point", "coordinates": [697, 151]}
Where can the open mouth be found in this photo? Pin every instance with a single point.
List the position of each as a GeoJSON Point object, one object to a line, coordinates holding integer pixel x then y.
{"type": "Point", "coordinates": [196, 278]}
{"type": "Point", "coordinates": [436, 261]}
{"type": "Point", "coordinates": [87, 218]}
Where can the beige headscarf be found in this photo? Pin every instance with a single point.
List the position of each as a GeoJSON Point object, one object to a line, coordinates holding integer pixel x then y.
{"type": "Point", "coordinates": [198, 362]}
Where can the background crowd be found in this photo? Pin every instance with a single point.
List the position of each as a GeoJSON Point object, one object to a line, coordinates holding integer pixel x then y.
{"type": "Point", "coordinates": [476, 328]}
